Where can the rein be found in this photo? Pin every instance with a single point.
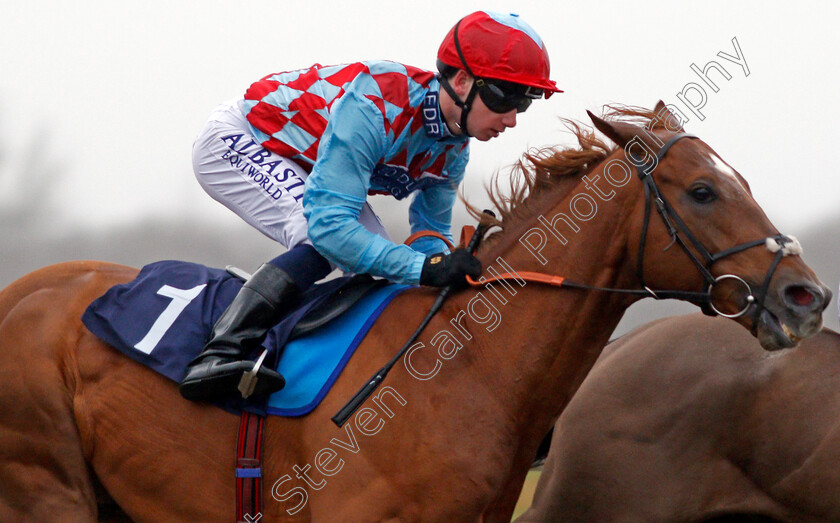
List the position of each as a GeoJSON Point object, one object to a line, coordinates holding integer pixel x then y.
{"type": "Point", "coordinates": [781, 244]}
{"type": "Point", "coordinates": [469, 237]}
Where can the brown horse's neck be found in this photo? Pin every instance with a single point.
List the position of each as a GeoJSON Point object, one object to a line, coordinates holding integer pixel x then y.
{"type": "Point", "coordinates": [548, 337]}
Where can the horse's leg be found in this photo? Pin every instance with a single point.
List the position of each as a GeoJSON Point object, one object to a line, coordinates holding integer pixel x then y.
{"type": "Point", "coordinates": [43, 474]}
{"type": "Point", "coordinates": [109, 511]}
{"type": "Point", "coordinates": [501, 509]}
{"type": "Point", "coordinates": [160, 457]}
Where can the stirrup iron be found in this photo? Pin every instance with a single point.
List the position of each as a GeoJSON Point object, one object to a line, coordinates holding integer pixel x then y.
{"type": "Point", "coordinates": [248, 381]}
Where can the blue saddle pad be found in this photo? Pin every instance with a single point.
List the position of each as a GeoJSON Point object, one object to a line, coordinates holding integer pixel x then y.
{"type": "Point", "coordinates": [164, 316]}
{"type": "Point", "coordinates": [312, 363]}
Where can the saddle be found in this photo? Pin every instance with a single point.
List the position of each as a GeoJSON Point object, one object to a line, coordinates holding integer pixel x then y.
{"type": "Point", "coordinates": [338, 303]}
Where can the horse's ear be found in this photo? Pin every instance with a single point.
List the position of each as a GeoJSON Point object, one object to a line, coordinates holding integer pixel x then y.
{"type": "Point", "coordinates": [619, 132]}
{"type": "Point", "coordinates": [667, 117]}
{"type": "Point", "coordinates": [659, 106]}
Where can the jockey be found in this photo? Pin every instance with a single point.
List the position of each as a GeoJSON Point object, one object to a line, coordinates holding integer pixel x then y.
{"type": "Point", "coordinates": [297, 156]}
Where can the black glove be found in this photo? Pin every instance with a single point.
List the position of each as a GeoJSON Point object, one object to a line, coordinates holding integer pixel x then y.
{"type": "Point", "coordinates": [441, 270]}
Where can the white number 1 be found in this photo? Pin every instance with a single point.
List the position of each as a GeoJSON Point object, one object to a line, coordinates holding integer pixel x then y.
{"type": "Point", "coordinates": [180, 299]}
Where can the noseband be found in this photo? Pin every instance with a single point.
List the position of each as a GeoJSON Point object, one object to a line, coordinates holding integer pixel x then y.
{"type": "Point", "coordinates": [681, 235]}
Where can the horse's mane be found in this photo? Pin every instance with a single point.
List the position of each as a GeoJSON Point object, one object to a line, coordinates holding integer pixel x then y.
{"type": "Point", "coordinates": [556, 170]}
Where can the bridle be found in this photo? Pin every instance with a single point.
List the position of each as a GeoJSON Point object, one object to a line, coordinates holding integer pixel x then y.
{"type": "Point", "coordinates": [676, 226]}
{"type": "Point", "coordinates": [681, 235]}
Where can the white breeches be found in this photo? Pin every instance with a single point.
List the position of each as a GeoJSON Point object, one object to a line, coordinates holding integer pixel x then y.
{"type": "Point", "coordinates": [263, 188]}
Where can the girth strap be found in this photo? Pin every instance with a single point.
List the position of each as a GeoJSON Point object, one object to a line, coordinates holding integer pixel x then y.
{"type": "Point", "coordinates": [249, 500]}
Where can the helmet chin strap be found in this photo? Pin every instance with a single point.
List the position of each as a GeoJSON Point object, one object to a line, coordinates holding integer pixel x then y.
{"type": "Point", "coordinates": [465, 105]}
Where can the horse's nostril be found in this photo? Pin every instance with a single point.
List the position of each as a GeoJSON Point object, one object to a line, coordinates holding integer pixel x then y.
{"type": "Point", "coordinates": [800, 295]}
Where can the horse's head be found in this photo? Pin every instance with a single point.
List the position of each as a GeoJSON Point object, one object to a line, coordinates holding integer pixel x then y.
{"type": "Point", "coordinates": [699, 229]}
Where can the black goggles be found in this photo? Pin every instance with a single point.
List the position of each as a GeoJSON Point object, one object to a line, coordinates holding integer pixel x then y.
{"type": "Point", "coordinates": [500, 96]}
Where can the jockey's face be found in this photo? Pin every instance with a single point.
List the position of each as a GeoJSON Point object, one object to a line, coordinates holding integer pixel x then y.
{"type": "Point", "coordinates": [484, 124]}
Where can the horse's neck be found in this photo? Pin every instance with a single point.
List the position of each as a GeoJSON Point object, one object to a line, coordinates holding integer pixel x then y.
{"type": "Point", "coordinates": [550, 337]}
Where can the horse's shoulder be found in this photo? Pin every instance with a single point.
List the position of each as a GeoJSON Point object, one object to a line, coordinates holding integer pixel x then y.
{"type": "Point", "coordinates": [653, 340]}
{"type": "Point", "coordinates": [686, 333]}
{"type": "Point", "coordinates": [651, 364]}
{"type": "Point", "coordinates": [827, 335]}
{"type": "Point", "coordinates": [817, 357]}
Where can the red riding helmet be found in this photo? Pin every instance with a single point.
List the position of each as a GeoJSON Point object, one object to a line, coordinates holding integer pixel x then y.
{"type": "Point", "coordinates": [498, 46]}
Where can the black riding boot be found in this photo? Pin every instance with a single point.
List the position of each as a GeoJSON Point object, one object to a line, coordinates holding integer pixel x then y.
{"type": "Point", "coordinates": [258, 306]}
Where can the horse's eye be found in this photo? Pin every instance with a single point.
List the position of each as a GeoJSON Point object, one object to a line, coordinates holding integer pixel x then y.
{"type": "Point", "coordinates": [702, 194]}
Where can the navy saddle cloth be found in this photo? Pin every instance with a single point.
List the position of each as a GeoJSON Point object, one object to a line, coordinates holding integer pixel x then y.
{"type": "Point", "coordinates": [163, 317]}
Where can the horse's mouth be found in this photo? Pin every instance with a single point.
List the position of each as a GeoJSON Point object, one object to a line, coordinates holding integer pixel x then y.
{"type": "Point", "coordinates": [774, 334]}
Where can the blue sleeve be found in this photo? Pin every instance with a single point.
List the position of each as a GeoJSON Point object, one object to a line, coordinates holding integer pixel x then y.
{"type": "Point", "coordinates": [431, 210]}
{"type": "Point", "coordinates": [353, 143]}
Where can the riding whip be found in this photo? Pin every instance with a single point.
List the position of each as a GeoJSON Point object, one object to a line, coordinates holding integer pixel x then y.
{"type": "Point", "coordinates": [344, 414]}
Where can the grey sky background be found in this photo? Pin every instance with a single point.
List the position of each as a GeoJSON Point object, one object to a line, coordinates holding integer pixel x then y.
{"type": "Point", "coordinates": [112, 94]}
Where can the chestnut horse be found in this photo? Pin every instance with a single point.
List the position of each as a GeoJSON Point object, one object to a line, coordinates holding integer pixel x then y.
{"type": "Point", "coordinates": [451, 434]}
{"type": "Point", "coordinates": [687, 419]}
